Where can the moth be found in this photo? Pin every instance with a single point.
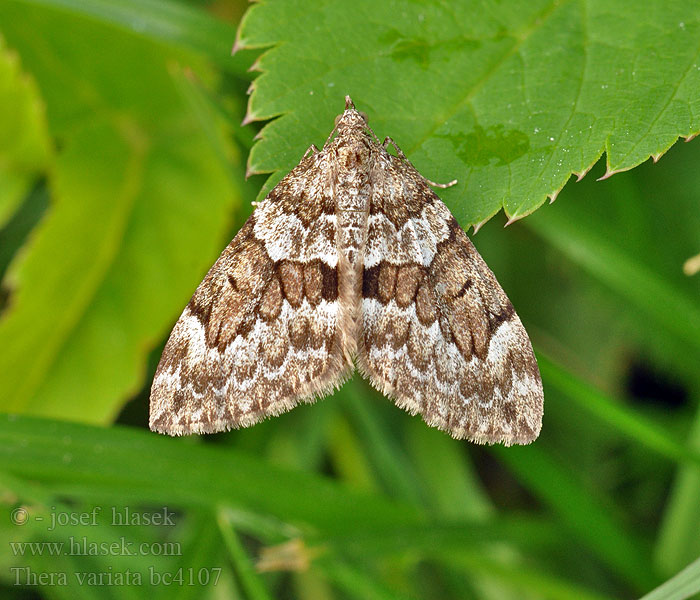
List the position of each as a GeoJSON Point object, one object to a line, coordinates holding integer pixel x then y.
{"type": "Point", "coordinates": [351, 261]}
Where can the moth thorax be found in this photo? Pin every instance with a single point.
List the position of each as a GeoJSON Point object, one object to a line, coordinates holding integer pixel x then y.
{"type": "Point", "coordinates": [353, 152]}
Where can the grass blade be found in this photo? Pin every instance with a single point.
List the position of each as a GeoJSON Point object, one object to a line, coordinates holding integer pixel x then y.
{"type": "Point", "coordinates": [588, 518]}
{"type": "Point", "coordinates": [249, 579]}
{"type": "Point", "coordinates": [680, 586]}
{"type": "Point", "coordinates": [616, 415]}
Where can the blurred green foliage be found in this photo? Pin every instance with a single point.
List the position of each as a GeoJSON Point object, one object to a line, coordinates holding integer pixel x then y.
{"type": "Point", "coordinates": [122, 176]}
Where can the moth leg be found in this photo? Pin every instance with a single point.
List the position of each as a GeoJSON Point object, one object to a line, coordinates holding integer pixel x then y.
{"type": "Point", "coordinates": [389, 142]}
{"type": "Point", "coordinates": [312, 150]}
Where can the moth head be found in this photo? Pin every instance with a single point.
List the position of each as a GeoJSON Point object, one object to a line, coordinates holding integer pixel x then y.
{"type": "Point", "coordinates": [351, 119]}
{"type": "Point", "coordinates": [350, 137]}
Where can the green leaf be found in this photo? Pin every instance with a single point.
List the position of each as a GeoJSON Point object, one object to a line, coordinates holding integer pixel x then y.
{"type": "Point", "coordinates": [509, 98]}
{"type": "Point", "coordinates": [174, 23]}
{"type": "Point", "coordinates": [135, 187]}
{"type": "Point", "coordinates": [24, 140]}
